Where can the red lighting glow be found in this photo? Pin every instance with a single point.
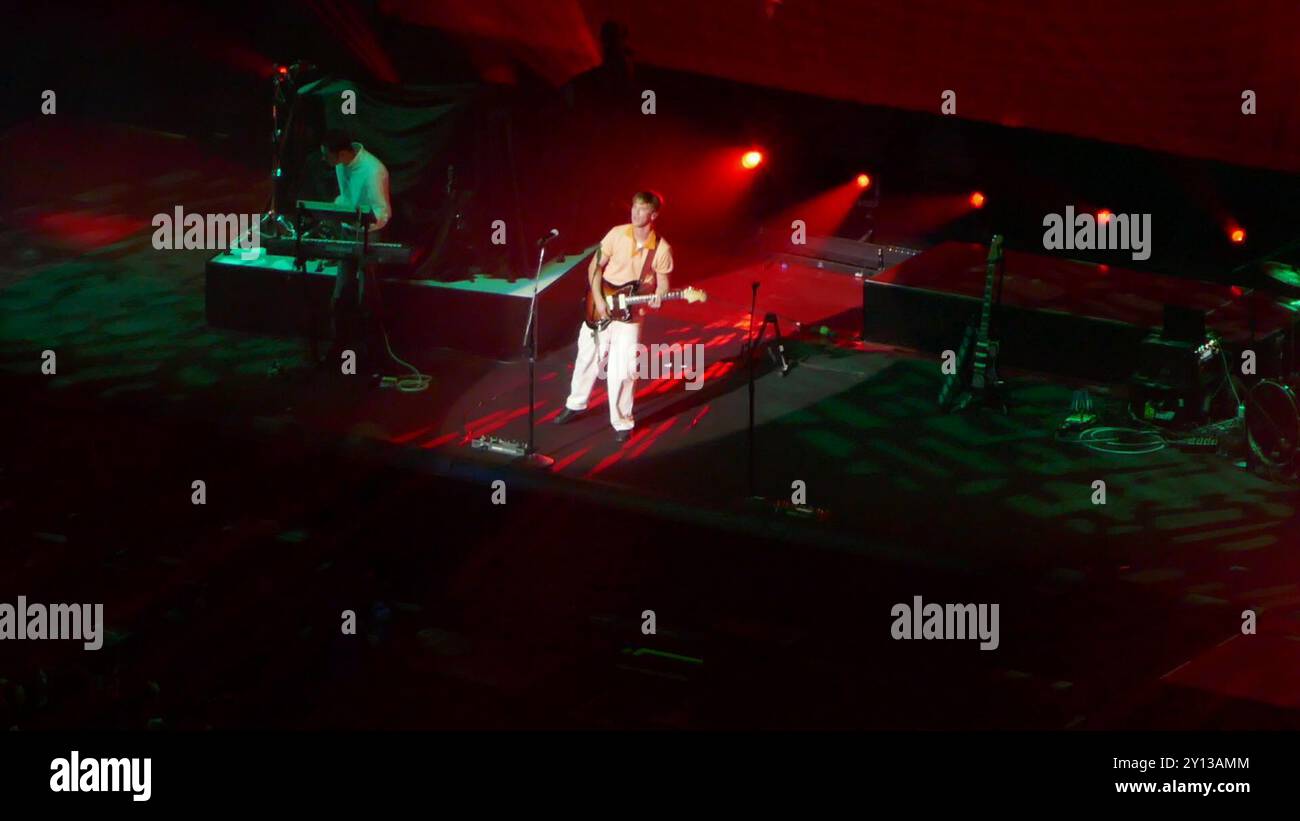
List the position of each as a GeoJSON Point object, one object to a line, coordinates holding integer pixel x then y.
{"type": "Point", "coordinates": [977, 200]}
{"type": "Point", "coordinates": [1103, 216]}
{"type": "Point", "coordinates": [1238, 236]}
{"type": "Point", "coordinates": [864, 180]}
{"type": "Point", "coordinates": [752, 159]}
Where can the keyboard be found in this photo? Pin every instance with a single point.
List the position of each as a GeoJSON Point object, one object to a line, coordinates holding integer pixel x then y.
{"type": "Point", "coordinates": [328, 210]}
{"type": "Point", "coordinates": [384, 253]}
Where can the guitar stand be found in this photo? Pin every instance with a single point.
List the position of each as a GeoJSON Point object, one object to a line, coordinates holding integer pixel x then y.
{"type": "Point", "coordinates": [776, 352]}
{"type": "Point", "coordinates": [311, 314]}
{"type": "Point", "coordinates": [990, 399]}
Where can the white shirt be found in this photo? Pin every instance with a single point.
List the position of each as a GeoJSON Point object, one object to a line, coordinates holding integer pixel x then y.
{"type": "Point", "coordinates": [363, 183]}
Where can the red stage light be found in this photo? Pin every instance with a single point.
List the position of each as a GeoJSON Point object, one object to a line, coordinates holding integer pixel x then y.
{"type": "Point", "coordinates": [977, 200]}
{"type": "Point", "coordinates": [752, 159]}
{"type": "Point", "coordinates": [864, 180]}
{"type": "Point", "coordinates": [1104, 215]}
{"type": "Point", "coordinates": [284, 70]}
{"type": "Point", "coordinates": [1238, 236]}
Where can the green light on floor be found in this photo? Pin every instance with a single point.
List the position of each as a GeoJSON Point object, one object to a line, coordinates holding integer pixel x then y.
{"type": "Point", "coordinates": [646, 651]}
{"type": "Point", "coordinates": [828, 442]}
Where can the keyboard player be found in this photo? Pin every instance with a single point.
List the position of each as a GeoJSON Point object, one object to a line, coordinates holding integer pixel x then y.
{"type": "Point", "coordinates": [363, 183]}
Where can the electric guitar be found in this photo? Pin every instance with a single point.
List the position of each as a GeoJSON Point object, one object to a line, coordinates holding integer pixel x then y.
{"type": "Point", "coordinates": [976, 375]}
{"type": "Point", "coordinates": [620, 300]}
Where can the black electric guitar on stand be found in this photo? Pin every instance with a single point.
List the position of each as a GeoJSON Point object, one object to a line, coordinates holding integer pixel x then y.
{"type": "Point", "coordinates": [976, 377]}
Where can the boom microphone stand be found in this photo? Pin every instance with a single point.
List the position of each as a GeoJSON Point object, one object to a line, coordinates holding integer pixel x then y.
{"type": "Point", "coordinates": [752, 340]}
{"type": "Point", "coordinates": [284, 87]}
{"type": "Point", "coordinates": [778, 356]}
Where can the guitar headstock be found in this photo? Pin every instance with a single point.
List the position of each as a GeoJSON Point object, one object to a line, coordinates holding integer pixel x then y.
{"type": "Point", "coordinates": [694, 295]}
{"type": "Point", "coordinates": [995, 248]}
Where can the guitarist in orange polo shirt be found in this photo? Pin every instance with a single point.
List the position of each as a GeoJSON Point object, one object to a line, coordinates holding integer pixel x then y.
{"type": "Point", "coordinates": [629, 253]}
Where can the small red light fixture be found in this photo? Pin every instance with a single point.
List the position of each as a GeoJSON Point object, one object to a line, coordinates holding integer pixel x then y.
{"type": "Point", "coordinates": [1104, 215]}
{"type": "Point", "coordinates": [1238, 236]}
{"type": "Point", "coordinates": [751, 160]}
{"type": "Point", "coordinates": [977, 200]}
{"type": "Point", "coordinates": [864, 180]}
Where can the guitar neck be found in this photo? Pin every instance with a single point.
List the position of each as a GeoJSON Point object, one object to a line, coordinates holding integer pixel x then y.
{"type": "Point", "coordinates": [988, 298]}
{"type": "Point", "coordinates": [635, 300]}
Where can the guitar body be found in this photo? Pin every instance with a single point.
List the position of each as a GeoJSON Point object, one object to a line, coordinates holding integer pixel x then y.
{"type": "Point", "coordinates": [984, 367]}
{"type": "Point", "coordinates": [954, 384]}
{"type": "Point", "coordinates": [615, 297]}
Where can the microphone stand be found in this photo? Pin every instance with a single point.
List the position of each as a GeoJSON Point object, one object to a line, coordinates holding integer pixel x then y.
{"type": "Point", "coordinates": [751, 341]}
{"type": "Point", "coordinates": [749, 354]}
{"type": "Point", "coordinates": [509, 447]}
{"type": "Point", "coordinates": [530, 340]}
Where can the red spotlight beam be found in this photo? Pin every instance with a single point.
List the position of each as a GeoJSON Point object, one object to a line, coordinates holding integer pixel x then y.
{"type": "Point", "coordinates": [821, 215]}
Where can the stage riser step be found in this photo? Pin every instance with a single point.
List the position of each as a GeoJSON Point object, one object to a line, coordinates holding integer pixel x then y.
{"type": "Point", "coordinates": [419, 315]}
{"type": "Point", "coordinates": [1050, 342]}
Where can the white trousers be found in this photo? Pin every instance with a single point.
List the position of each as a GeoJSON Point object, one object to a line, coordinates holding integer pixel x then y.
{"type": "Point", "coordinates": [616, 353]}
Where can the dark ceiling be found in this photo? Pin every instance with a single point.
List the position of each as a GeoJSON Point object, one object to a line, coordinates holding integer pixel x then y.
{"type": "Point", "coordinates": [1162, 74]}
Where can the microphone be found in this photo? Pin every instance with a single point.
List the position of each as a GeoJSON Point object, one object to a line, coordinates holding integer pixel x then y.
{"type": "Point", "coordinates": [554, 232]}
